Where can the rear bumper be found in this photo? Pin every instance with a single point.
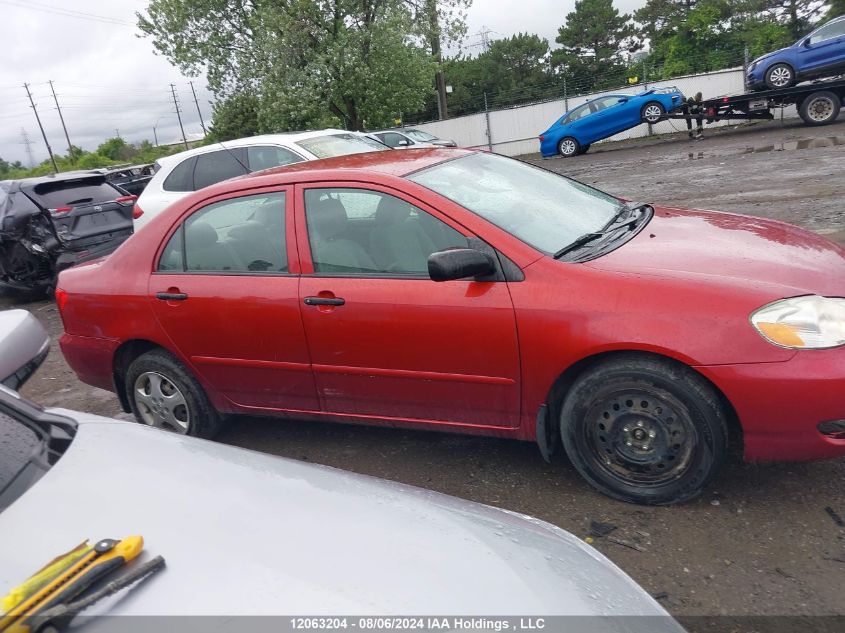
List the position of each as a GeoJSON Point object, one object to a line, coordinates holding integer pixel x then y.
{"type": "Point", "coordinates": [90, 358]}
{"type": "Point", "coordinates": [780, 405]}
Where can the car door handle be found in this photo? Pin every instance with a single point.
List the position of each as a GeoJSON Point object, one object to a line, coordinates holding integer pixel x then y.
{"type": "Point", "coordinates": [171, 296]}
{"type": "Point", "coordinates": [324, 301]}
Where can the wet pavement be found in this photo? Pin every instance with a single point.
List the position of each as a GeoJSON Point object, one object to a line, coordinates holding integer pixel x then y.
{"type": "Point", "coordinates": [759, 542]}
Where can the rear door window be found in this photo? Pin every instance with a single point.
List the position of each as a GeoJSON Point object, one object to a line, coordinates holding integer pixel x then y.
{"type": "Point", "coordinates": [239, 235]}
{"type": "Point", "coordinates": [218, 166]}
{"type": "Point", "coordinates": [182, 176]}
{"type": "Point", "coordinates": [267, 156]}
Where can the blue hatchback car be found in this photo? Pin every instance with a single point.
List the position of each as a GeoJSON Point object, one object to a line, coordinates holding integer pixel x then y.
{"type": "Point", "coordinates": [605, 116]}
{"type": "Point", "coordinates": [819, 54]}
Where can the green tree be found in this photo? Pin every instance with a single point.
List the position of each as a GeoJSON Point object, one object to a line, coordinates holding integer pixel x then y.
{"type": "Point", "coordinates": [235, 116]}
{"type": "Point", "coordinates": [593, 42]}
{"type": "Point", "coordinates": [309, 61]}
{"type": "Point", "coordinates": [514, 69]}
{"type": "Point", "coordinates": [116, 149]}
{"type": "Point", "coordinates": [837, 8]}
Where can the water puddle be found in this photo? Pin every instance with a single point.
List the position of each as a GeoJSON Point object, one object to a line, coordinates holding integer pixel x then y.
{"type": "Point", "coordinates": [810, 143]}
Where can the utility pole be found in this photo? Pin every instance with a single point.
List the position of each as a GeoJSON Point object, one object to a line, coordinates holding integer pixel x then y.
{"type": "Point", "coordinates": [178, 114]}
{"type": "Point", "coordinates": [202, 123]}
{"type": "Point", "coordinates": [155, 136]}
{"type": "Point", "coordinates": [62, 119]}
{"type": "Point", "coordinates": [25, 141]}
{"type": "Point", "coordinates": [41, 127]}
{"type": "Point", "coordinates": [439, 79]}
{"type": "Point", "coordinates": [116, 133]}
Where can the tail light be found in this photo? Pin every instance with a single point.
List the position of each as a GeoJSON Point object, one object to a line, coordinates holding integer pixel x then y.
{"type": "Point", "coordinates": [126, 200]}
{"type": "Point", "coordinates": [137, 212]}
{"type": "Point", "coordinates": [542, 137]}
{"type": "Point", "coordinates": [61, 210]}
{"type": "Point", "coordinates": [61, 299]}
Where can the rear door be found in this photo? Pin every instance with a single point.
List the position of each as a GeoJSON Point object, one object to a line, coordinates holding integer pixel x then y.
{"type": "Point", "coordinates": [226, 294]}
{"type": "Point", "coordinates": [85, 211]}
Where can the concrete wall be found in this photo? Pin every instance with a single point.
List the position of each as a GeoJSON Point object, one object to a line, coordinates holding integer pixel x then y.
{"type": "Point", "coordinates": [514, 131]}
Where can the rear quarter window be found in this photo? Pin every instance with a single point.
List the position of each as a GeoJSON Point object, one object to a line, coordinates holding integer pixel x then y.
{"type": "Point", "coordinates": [182, 176]}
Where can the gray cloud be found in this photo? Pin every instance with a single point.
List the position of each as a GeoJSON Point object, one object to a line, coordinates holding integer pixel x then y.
{"type": "Point", "coordinates": [107, 78]}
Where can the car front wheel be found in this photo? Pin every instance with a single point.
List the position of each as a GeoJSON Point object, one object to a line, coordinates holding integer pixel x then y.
{"type": "Point", "coordinates": [652, 112]}
{"type": "Point", "coordinates": [644, 430]}
{"type": "Point", "coordinates": [568, 147]}
{"type": "Point", "coordinates": [780, 76]}
{"type": "Point", "coordinates": [163, 394]}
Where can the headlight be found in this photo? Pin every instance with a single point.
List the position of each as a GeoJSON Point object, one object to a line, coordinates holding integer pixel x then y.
{"type": "Point", "coordinates": [809, 322]}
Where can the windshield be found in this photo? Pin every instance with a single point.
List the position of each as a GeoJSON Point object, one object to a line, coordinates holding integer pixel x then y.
{"type": "Point", "coordinates": [340, 145]}
{"type": "Point", "coordinates": [419, 135]}
{"type": "Point", "coordinates": [544, 210]}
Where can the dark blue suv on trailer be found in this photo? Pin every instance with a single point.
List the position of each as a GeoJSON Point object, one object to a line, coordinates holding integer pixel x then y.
{"type": "Point", "coordinates": [819, 54]}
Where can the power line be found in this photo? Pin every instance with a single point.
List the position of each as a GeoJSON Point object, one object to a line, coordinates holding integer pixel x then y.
{"type": "Point", "coordinates": [69, 13]}
{"type": "Point", "coordinates": [178, 114]}
{"type": "Point", "coordinates": [202, 123]}
{"type": "Point", "coordinates": [41, 127]}
{"type": "Point", "coordinates": [62, 119]}
{"type": "Point", "coordinates": [25, 141]}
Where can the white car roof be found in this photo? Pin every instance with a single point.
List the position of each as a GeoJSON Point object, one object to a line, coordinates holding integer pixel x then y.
{"type": "Point", "coordinates": [287, 139]}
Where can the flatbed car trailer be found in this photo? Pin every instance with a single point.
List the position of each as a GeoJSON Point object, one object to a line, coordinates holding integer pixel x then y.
{"type": "Point", "coordinates": [818, 103]}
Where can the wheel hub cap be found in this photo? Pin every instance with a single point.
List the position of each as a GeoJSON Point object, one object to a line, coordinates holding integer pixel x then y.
{"type": "Point", "coordinates": [640, 438]}
{"type": "Point", "coordinates": [781, 76]}
{"type": "Point", "coordinates": [160, 403]}
{"type": "Point", "coordinates": [820, 109]}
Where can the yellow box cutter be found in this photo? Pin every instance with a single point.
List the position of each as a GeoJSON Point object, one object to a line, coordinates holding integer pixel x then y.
{"type": "Point", "coordinates": [103, 558]}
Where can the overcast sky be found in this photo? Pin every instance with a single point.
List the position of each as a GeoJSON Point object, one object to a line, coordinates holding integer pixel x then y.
{"type": "Point", "coordinates": [107, 79]}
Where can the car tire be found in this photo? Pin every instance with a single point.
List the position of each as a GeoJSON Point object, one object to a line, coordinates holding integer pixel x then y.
{"type": "Point", "coordinates": [163, 394]}
{"type": "Point", "coordinates": [568, 147]}
{"type": "Point", "coordinates": [644, 430]}
{"type": "Point", "coordinates": [584, 149]}
{"type": "Point", "coordinates": [779, 76]}
{"type": "Point", "coordinates": [652, 112]}
{"type": "Point", "coordinates": [820, 108]}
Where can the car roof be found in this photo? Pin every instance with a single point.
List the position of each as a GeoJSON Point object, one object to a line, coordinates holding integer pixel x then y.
{"type": "Point", "coordinates": [60, 177]}
{"type": "Point", "coordinates": [389, 162]}
{"type": "Point", "coordinates": [284, 139]}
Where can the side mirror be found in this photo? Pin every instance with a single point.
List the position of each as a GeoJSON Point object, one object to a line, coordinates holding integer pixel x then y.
{"type": "Point", "coordinates": [403, 143]}
{"type": "Point", "coordinates": [459, 263]}
{"type": "Point", "coordinates": [623, 100]}
{"type": "Point", "coordinates": [24, 344]}
{"type": "Point", "coordinates": [806, 43]}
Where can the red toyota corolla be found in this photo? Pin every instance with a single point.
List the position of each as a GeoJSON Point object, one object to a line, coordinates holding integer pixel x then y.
{"type": "Point", "coordinates": [463, 291]}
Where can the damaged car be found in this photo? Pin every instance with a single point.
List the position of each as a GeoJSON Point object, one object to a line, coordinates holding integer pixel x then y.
{"type": "Point", "coordinates": [51, 223]}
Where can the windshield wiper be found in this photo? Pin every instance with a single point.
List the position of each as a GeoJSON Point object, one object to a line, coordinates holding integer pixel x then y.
{"type": "Point", "coordinates": [617, 222]}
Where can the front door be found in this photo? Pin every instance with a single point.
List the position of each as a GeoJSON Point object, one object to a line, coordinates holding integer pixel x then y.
{"type": "Point", "coordinates": [384, 339]}
{"type": "Point", "coordinates": [224, 295]}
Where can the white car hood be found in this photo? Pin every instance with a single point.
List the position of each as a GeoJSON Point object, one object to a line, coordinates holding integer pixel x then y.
{"type": "Point", "coordinates": [248, 533]}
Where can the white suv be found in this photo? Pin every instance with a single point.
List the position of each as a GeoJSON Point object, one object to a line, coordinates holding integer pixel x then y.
{"type": "Point", "coordinates": [178, 175]}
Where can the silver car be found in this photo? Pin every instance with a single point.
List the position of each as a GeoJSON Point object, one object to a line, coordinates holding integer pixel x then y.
{"type": "Point", "coordinates": [246, 533]}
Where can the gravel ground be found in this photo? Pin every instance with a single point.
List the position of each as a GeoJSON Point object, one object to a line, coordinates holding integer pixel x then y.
{"type": "Point", "coordinates": [759, 542]}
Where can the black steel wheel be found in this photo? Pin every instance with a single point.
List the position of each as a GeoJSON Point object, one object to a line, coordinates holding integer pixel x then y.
{"type": "Point", "coordinates": [644, 430]}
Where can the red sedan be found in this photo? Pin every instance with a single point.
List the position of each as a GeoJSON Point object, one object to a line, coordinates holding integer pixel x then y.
{"type": "Point", "coordinates": [464, 291]}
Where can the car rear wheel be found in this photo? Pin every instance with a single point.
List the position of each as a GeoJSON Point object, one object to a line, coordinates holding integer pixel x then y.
{"type": "Point", "coordinates": [780, 76]}
{"type": "Point", "coordinates": [163, 394]}
{"type": "Point", "coordinates": [652, 112]}
{"type": "Point", "coordinates": [644, 430]}
{"type": "Point", "coordinates": [820, 108]}
{"type": "Point", "coordinates": [568, 147]}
